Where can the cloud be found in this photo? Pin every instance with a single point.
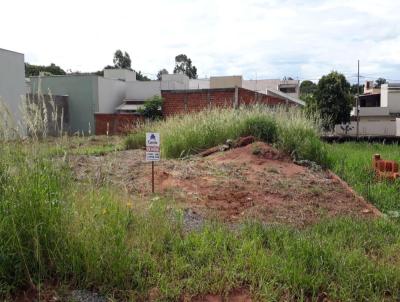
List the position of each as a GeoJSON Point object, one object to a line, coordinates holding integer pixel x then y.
{"type": "Point", "coordinates": [302, 39]}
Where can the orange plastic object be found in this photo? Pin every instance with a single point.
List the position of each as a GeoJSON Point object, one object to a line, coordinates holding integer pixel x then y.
{"type": "Point", "coordinates": [385, 169]}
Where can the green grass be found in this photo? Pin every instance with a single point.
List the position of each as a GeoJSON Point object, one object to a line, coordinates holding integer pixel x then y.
{"type": "Point", "coordinates": [54, 229]}
{"type": "Point", "coordinates": [288, 129]}
{"type": "Point", "coordinates": [352, 162]}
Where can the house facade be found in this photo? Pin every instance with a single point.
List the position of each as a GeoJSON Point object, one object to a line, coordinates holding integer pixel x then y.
{"type": "Point", "coordinates": [378, 112]}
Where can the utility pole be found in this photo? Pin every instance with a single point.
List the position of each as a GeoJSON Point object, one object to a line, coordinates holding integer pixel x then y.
{"type": "Point", "coordinates": [358, 98]}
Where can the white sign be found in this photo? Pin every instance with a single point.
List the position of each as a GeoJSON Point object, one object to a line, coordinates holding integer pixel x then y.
{"type": "Point", "coordinates": [152, 146]}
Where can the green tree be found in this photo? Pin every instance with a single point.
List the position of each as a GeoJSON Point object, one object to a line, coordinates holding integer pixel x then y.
{"type": "Point", "coordinates": [354, 89]}
{"type": "Point", "coordinates": [35, 70]}
{"type": "Point", "coordinates": [160, 73]}
{"type": "Point", "coordinates": [183, 64]}
{"type": "Point", "coordinates": [379, 82]}
{"type": "Point", "coordinates": [152, 108]}
{"type": "Point", "coordinates": [122, 60]}
{"type": "Point", "coordinates": [141, 77]}
{"type": "Point", "coordinates": [333, 99]}
{"type": "Point", "coordinates": [307, 87]}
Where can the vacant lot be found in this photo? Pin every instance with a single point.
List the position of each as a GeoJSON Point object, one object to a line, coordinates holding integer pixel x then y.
{"type": "Point", "coordinates": [77, 220]}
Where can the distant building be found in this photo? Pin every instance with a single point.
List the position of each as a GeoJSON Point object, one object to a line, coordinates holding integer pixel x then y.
{"type": "Point", "coordinates": [379, 112]}
{"type": "Point", "coordinates": [94, 101]}
{"type": "Point", "coordinates": [12, 82]}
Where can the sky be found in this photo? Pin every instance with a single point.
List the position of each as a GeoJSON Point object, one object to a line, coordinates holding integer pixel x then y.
{"type": "Point", "coordinates": [254, 38]}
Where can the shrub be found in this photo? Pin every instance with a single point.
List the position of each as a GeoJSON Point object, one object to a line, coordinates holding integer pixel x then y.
{"type": "Point", "coordinates": [152, 108]}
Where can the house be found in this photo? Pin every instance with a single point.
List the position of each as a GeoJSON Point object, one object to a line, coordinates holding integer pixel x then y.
{"type": "Point", "coordinates": [12, 83]}
{"type": "Point", "coordinates": [379, 112]}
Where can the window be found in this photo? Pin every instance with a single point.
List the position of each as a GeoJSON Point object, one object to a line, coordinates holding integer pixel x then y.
{"type": "Point", "coordinates": [287, 89]}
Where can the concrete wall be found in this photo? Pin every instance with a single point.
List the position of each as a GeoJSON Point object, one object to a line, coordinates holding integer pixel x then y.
{"type": "Point", "coordinates": [384, 95]}
{"type": "Point", "coordinates": [199, 83]}
{"type": "Point", "coordinates": [394, 101]}
{"type": "Point", "coordinates": [82, 92]}
{"type": "Point", "coordinates": [142, 90]}
{"type": "Point", "coordinates": [12, 81]}
{"type": "Point", "coordinates": [174, 82]}
{"type": "Point", "coordinates": [120, 74]}
{"type": "Point", "coordinates": [371, 128]}
{"type": "Point", "coordinates": [273, 84]}
{"type": "Point", "coordinates": [110, 95]}
{"type": "Point", "coordinates": [226, 82]}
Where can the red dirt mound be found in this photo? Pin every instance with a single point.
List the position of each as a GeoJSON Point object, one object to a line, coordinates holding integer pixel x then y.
{"type": "Point", "coordinates": [255, 181]}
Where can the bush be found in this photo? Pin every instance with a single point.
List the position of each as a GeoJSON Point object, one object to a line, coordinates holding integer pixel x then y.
{"type": "Point", "coordinates": [152, 108]}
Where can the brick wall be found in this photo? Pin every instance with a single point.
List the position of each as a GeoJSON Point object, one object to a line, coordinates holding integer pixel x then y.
{"type": "Point", "coordinates": [181, 101]}
{"type": "Point", "coordinates": [115, 123]}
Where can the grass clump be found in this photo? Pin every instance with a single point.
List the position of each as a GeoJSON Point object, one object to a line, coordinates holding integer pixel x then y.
{"type": "Point", "coordinates": [264, 128]}
{"type": "Point", "coordinates": [288, 128]}
{"type": "Point", "coordinates": [135, 140]}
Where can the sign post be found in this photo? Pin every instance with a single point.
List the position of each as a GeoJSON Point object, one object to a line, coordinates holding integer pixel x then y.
{"type": "Point", "coordinates": [152, 152]}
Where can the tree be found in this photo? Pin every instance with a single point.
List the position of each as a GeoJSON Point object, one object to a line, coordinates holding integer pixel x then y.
{"type": "Point", "coordinates": [379, 82]}
{"type": "Point", "coordinates": [160, 73]}
{"type": "Point", "coordinates": [141, 77]}
{"type": "Point", "coordinates": [333, 99]}
{"type": "Point", "coordinates": [122, 60]}
{"type": "Point", "coordinates": [152, 108]}
{"type": "Point", "coordinates": [184, 65]}
{"type": "Point", "coordinates": [285, 78]}
{"type": "Point", "coordinates": [35, 70]}
{"type": "Point", "coordinates": [307, 87]}
{"type": "Point", "coordinates": [354, 89]}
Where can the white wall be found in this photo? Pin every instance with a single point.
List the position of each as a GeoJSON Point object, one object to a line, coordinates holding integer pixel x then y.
{"type": "Point", "coordinates": [371, 128]}
{"type": "Point", "coordinates": [120, 74]}
{"type": "Point", "coordinates": [12, 81]}
{"type": "Point", "coordinates": [384, 95]}
{"type": "Point", "coordinates": [273, 84]}
{"type": "Point", "coordinates": [174, 82]}
{"type": "Point", "coordinates": [394, 101]}
{"type": "Point", "coordinates": [199, 84]}
{"type": "Point", "coordinates": [110, 95]}
{"type": "Point", "coordinates": [142, 90]}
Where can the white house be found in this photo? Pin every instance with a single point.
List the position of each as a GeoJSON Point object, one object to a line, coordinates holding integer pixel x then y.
{"type": "Point", "coordinates": [379, 112]}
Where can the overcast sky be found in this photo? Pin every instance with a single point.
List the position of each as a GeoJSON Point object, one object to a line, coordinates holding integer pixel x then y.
{"type": "Point", "coordinates": [258, 39]}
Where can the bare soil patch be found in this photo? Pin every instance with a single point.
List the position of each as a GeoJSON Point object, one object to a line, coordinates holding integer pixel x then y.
{"type": "Point", "coordinates": [255, 181]}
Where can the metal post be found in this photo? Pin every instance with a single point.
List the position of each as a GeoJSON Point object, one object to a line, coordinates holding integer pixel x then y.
{"type": "Point", "coordinates": [152, 177]}
{"type": "Point", "coordinates": [358, 98]}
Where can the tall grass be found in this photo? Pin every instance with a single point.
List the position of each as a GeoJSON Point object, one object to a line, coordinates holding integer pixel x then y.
{"type": "Point", "coordinates": [288, 128]}
{"type": "Point", "coordinates": [352, 161]}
